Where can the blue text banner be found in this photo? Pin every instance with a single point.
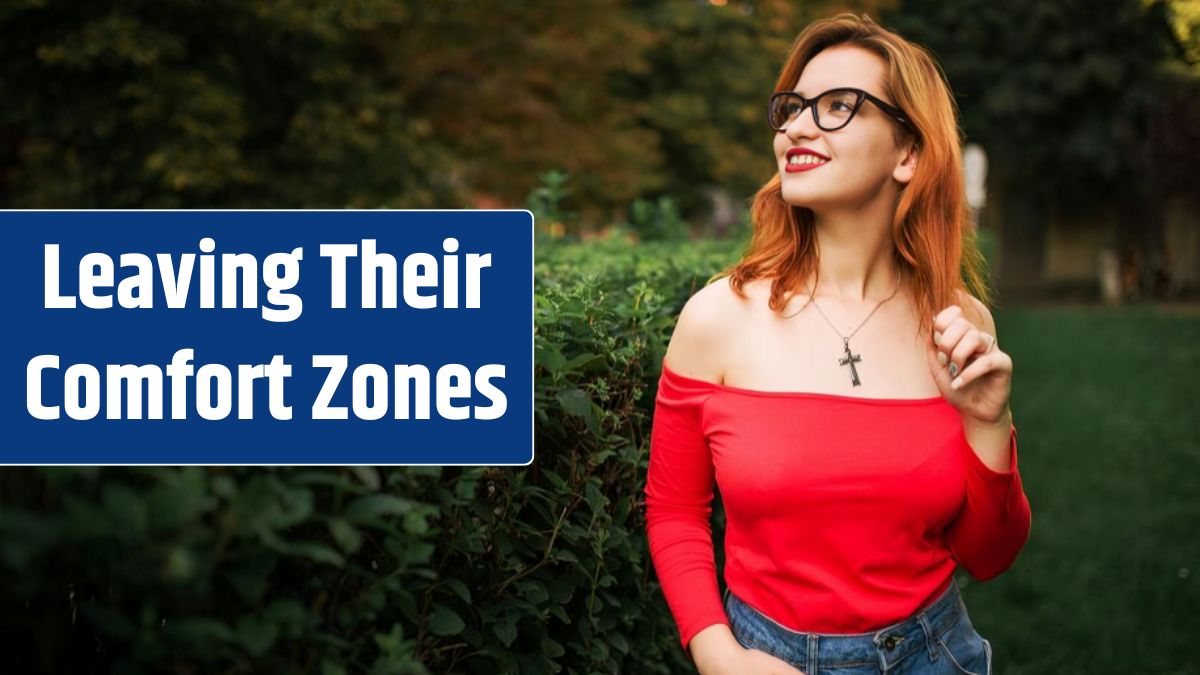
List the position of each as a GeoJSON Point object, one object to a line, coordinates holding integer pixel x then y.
{"type": "Point", "coordinates": [268, 337]}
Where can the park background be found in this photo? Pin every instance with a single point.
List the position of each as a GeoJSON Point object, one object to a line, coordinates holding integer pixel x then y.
{"type": "Point", "coordinates": [636, 133]}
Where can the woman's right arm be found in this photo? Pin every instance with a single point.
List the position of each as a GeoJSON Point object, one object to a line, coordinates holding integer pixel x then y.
{"type": "Point", "coordinates": [679, 491]}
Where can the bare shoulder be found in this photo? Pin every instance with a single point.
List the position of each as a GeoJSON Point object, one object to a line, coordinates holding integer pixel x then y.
{"type": "Point", "coordinates": [701, 333]}
{"type": "Point", "coordinates": [976, 312]}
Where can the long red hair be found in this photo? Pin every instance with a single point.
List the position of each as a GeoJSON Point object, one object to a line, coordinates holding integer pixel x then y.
{"type": "Point", "coordinates": [935, 246]}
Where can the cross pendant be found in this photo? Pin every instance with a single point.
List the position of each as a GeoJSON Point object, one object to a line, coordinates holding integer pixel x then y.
{"type": "Point", "coordinates": [850, 360]}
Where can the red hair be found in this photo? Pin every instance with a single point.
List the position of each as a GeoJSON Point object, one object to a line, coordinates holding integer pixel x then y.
{"type": "Point", "coordinates": [935, 248]}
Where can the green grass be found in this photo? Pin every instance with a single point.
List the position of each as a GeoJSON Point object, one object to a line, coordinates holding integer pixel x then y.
{"type": "Point", "coordinates": [1105, 404]}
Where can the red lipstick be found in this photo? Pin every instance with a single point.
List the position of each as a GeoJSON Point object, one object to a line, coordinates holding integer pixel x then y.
{"type": "Point", "coordinates": [793, 152]}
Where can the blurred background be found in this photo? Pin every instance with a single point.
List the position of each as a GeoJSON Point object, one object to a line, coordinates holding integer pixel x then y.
{"type": "Point", "coordinates": [1082, 115]}
{"type": "Point", "coordinates": [636, 133]}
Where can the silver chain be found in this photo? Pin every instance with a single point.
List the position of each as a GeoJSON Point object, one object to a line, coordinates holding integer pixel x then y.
{"type": "Point", "coordinates": [845, 338]}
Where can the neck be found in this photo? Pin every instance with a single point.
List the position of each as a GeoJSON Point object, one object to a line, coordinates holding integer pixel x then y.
{"type": "Point", "coordinates": [856, 262]}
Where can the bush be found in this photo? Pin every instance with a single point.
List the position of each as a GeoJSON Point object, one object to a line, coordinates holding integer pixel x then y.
{"type": "Point", "coordinates": [657, 220]}
{"type": "Point", "coordinates": [539, 569]}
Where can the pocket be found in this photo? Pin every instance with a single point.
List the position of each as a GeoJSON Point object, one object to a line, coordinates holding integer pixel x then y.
{"type": "Point", "coordinates": [751, 639]}
{"type": "Point", "coordinates": [747, 628]}
{"type": "Point", "coordinates": [966, 649]}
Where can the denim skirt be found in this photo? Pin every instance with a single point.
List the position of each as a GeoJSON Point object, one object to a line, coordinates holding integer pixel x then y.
{"type": "Point", "coordinates": [937, 640]}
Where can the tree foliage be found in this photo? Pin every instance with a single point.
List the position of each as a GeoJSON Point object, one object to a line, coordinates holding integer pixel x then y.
{"type": "Point", "coordinates": [1059, 93]}
{"type": "Point", "coordinates": [217, 104]}
{"type": "Point", "coordinates": [129, 103]}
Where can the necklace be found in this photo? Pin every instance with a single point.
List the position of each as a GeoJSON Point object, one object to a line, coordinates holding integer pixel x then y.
{"type": "Point", "coordinates": [850, 358]}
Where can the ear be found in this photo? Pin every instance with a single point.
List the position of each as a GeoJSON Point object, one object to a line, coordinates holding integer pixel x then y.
{"type": "Point", "coordinates": [903, 173]}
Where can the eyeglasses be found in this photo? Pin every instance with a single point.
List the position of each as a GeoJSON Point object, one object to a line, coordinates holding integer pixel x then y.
{"type": "Point", "coordinates": [831, 110]}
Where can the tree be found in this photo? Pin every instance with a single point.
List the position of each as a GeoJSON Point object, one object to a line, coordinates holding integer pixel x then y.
{"type": "Point", "coordinates": [516, 89]}
{"type": "Point", "coordinates": [1062, 95]}
{"type": "Point", "coordinates": [230, 104]}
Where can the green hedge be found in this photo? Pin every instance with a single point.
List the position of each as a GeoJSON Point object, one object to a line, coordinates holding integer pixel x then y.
{"type": "Point", "coordinates": [541, 569]}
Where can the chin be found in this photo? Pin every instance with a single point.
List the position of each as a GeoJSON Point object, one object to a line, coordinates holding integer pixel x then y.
{"type": "Point", "coordinates": [802, 198]}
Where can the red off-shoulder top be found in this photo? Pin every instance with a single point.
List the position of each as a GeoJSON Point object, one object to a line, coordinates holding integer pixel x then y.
{"type": "Point", "coordinates": [843, 514]}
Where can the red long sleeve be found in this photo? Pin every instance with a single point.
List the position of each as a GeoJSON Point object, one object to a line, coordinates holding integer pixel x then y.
{"type": "Point", "coordinates": [843, 514]}
{"type": "Point", "coordinates": [679, 493]}
{"type": "Point", "coordinates": [995, 520]}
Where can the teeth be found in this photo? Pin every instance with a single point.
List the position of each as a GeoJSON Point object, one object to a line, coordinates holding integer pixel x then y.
{"type": "Point", "coordinates": [806, 159]}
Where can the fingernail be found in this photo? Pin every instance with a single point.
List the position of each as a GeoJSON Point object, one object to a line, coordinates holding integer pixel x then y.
{"type": "Point", "coordinates": [953, 368]}
{"type": "Point", "coordinates": [937, 336]}
{"type": "Point", "coordinates": [942, 358]}
{"type": "Point", "coordinates": [956, 383]}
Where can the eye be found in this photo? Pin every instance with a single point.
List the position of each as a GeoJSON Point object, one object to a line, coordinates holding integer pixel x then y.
{"type": "Point", "coordinates": [840, 106]}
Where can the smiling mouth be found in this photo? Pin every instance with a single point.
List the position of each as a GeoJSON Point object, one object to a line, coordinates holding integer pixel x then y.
{"type": "Point", "coordinates": [804, 163]}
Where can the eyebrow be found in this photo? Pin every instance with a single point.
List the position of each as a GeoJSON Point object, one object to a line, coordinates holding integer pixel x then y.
{"type": "Point", "coordinates": [840, 86]}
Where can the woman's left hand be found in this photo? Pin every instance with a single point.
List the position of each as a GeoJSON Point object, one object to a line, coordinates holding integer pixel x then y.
{"type": "Point", "coordinates": [971, 372]}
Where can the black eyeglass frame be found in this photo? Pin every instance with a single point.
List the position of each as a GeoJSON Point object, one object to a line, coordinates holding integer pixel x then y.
{"type": "Point", "coordinates": [861, 95]}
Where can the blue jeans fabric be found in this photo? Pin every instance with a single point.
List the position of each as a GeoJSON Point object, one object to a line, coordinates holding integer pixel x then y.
{"type": "Point", "coordinates": [938, 640]}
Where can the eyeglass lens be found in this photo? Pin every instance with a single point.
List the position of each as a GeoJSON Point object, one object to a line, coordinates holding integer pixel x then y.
{"type": "Point", "coordinates": [833, 109]}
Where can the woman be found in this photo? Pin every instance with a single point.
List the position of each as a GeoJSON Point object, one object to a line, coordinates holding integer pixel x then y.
{"type": "Point", "coordinates": [845, 391]}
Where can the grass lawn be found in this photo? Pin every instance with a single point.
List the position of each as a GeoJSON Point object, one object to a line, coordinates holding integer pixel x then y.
{"type": "Point", "coordinates": [1105, 402]}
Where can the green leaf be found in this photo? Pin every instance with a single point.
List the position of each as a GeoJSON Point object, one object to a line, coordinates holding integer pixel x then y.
{"type": "Point", "coordinates": [551, 359]}
{"type": "Point", "coordinates": [555, 479]}
{"type": "Point", "coordinates": [392, 642]}
{"type": "Point", "coordinates": [583, 361]}
{"type": "Point", "coordinates": [559, 612]}
{"type": "Point", "coordinates": [535, 591]}
{"type": "Point", "coordinates": [306, 549]}
{"type": "Point", "coordinates": [576, 402]}
{"type": "Point", "coordinates": [445, 621]}
{"type": "Point", "coordinates": [181, 499]}
{"type": "Point", "coordinates": [564, 555]}
{"type": "Point", "coordinates": [415, 523]}
{"type": "Point", "coordinates": [368, 475]}
{"type": "Point", "coordinates": [552, 649]}
{"type": "Point", "coordinates": [371, 508]}
{"type": "Point", "coordinates": [460, 589]}
{"type": "Point", "coordinates": [345, 534]}
{"type": "Point", "coordinates": [618, 641]}
{"type": "Point", "coordinates": [419, 553]}
{"type": "Point", "coordinates": [465, 489]}
{"type": "Point", "coordinates": [317, 552]}
{"type": "Point", "coordinates": [506, 630]}
{"type": "Point", "coordinates": [287, 611]}
{"type": "Point", "coordinates": [256, 635]}
{"type": "Point", "coordinates": [180, 564]}
{"type": "Point", "coordinates": [595, 498]}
